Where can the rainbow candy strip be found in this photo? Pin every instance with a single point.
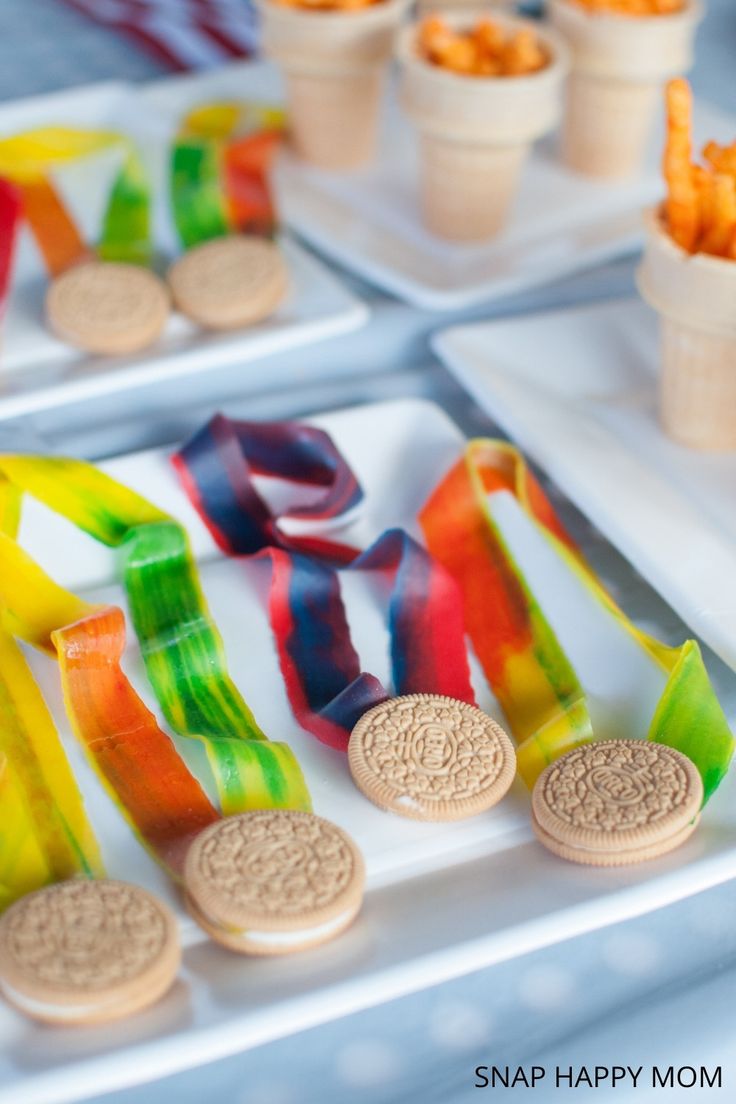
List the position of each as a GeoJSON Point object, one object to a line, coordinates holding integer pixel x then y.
{"type": "Point", "coordinates": [180, 644]}
{"type": "Point", "coordinates": [220, 163]}
{"type": "Point", "coordinates": [29, 160]}
{"type": "Point", "coordinates": [44, 833]}
{"type": "Point", "coordinates": [523, 661]}
{"type": "Point", "coordinates": [321, 669]}
{"type": "Point", "coordinates": [136, 761]}
{"type": "Point", "coordinates": [216, 468]}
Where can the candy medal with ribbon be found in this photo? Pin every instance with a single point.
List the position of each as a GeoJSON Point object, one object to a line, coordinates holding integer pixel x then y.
{"type": "Point", "coordinates": [29, 161]}
{"type": "Point", "coordinates": [522, 658]}
{"type": "Point", "coordinates": [101, 299]}
{"type": "Point", "coordinates": [180, 644]}
{"type": "Point", "coordinates": [220, 164]}
{"type": "Point", "coordinates": [327, 689]}
{"type": "Point", "coordinates": [136, 761]}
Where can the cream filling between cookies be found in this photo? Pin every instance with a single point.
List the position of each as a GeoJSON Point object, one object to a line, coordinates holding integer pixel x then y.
{"type": "Point", "coordinates": [46, 1008]}
{"type": "Point", "coordinates": [289, 938]}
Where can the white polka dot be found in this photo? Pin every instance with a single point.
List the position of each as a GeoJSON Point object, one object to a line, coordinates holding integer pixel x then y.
{"type": "Point", "coordinates": [367, 1062]}
{"type": "Point", "coordinates": [632, 954]}
{"type": "Point", "coordinates": [270, 1092]}
{"type": "Point", "coordinates": [708, 918]}
{"type": "Point", "coordinates": [456, 1025]}
{"type": "Point", "coordinates": [546, 988]}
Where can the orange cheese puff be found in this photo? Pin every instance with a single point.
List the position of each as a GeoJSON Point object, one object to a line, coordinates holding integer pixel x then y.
{"type": "Point", "coordinates": [722, 222]}
{"type": "Point", "coordinates": [489, 38]}
{"type": "Point", "coordinates": [434, 36]}
{"type": "Point", "coordinates": [521, 54]}
{"type": "Point", "coordinates": [682, 207]}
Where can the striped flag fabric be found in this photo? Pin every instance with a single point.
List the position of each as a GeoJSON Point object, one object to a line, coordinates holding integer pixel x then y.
{"type": "Point", "coordinates": [184, 34]}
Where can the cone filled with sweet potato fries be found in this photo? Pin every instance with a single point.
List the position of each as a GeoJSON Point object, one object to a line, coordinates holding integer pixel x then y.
{"type": "Point", "coordinates": [334, 55]}
{"type": "Point", "coordinates": [623, 53]}
{"type": "Point", "coordinates": [480, 91]}
{"type": "Point", "coordinates": [688, 275]}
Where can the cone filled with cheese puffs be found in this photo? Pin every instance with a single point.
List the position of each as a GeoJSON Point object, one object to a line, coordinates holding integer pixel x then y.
{"type": "Point", "coordinates": [333, 55]}
{"type": "Point", "coordinates": [480, 91]}
{"type": "Point", "coordinates": [623, 52]}
{"type": "Point", "coordinates": [688, 275]}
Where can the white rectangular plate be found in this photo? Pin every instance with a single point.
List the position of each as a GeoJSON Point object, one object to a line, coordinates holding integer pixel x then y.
{"type": "Point", "coordinates": [369, 220]}
{"type": "Point", "coordinates": [577, 390]}
{"type": "Point", "coordinates": [442, 899]}
{"type": "Point", "coordinates": [38, 371]}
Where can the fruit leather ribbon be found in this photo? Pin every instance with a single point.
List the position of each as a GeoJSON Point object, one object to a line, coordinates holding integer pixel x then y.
{"type": "Point", "coordinates": [136, 762]}
{"type": "Point", "coordinates": [44, 831]}
{"type": "Point", "coordinates": [29, 161]}
{"type": "Point", "coordinates": [220, 166]}
{"type": "Point", "coordinates": [327, 689]}
{"type": "Point", "coordinates": [522, 658]}
{"type": "Point", "coordinates": [180, 644]}
{"type": "Point", "coordinates": [321, 669]}
{"type": "Point", "coordinates": [217, 469]}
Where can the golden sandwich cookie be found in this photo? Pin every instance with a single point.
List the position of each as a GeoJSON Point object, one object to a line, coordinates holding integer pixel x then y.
{"type": "Point", "coordinates": [85, 952]}
{"type": "Point", "coordinates": [108, 308]}
{"type": "Point", "coordinates": [617, 802]}
{"type": "Point", "coordinates": [431, 757]}
{"type": "Point", "coordinates": [273, 881]}
{"type": "Point", "coordinates": [229, 282]}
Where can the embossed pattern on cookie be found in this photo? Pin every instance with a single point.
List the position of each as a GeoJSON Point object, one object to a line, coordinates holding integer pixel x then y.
{"type": "Point", "coordinates": [430, 757]}
{"type": "Point", "coordinates": [87, 951]}
{"type": "Point", "coordinates": [273, 880]}
{"type": "Point", "coordinates": [616, 802]}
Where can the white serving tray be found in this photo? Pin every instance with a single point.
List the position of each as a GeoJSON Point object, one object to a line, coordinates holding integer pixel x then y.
{"type": "Point", "coordinates": [38, 371]}
{"type": "Point", "coordinates": [577, 390]}
{"type": "Point", "coordinates": [442, 900]}
{"type": "Point", "coordinates": [369, 220]}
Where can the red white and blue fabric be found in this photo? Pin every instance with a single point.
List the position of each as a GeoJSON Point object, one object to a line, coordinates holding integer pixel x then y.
{"type": "Point", "coordinates": [184, 34]}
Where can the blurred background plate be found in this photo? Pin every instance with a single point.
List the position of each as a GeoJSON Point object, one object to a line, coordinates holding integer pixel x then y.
{"type": "Point", "coordinates": [368, 220]}
{"type": "Point", "coordinates": [37, 371]}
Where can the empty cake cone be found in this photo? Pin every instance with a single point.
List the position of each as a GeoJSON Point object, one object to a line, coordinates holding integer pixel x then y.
{"type": "Point", "coordinates": [333, 64]}
{"type": "Point", "coordinates": [475, 132]}
{"type": "Point", "coordinates": [620, 64]}
{"type": "Point", "coordinates": [694, 296]}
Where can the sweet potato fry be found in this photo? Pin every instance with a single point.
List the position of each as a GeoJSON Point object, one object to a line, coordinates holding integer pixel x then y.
{"type": "Point", "coordinates": [700, 208]}
{"type": "Point", "coordinates": [682, 206]}
{"type": "Point", "coordinates": [722, 222]}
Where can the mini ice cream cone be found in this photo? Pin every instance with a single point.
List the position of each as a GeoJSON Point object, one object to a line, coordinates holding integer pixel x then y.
{"type": "Point", "coordinates": [694, 295]}
{"type": "Point", "coordinates": [619, 66]}
{"type": "Point", "coordinates": [333, 63]}
{"type": "Point", "coordinates": [475, 132]}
